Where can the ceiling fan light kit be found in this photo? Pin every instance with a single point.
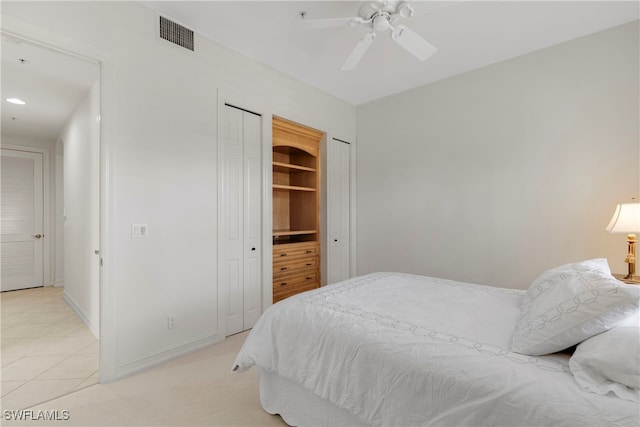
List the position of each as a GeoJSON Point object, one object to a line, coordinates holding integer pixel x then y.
{"type": "Point", "coordinates": [379, 16]}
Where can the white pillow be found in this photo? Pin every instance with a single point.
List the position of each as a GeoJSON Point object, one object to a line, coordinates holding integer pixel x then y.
{"type": "Point", "coordinates": [569, 304]}
{"type": "Point", "coordinates": [609, 363]}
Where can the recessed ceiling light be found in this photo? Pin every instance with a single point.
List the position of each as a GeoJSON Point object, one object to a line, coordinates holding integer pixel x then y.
{"type": "Point", "coordinates": [16, 101]}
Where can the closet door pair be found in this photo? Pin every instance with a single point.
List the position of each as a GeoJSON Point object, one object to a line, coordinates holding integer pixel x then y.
{"type": "Point", "coordinates": [239, 222]}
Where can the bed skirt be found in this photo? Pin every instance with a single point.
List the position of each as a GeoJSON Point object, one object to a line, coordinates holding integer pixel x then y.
{"type": "Point", "coordinates": [298, 406]}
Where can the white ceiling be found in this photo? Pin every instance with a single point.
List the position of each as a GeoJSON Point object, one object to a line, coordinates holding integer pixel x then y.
{"type": "Point", "coordinates": [50, 82]}
{"type": "Point", "coordinates": [468, 35]}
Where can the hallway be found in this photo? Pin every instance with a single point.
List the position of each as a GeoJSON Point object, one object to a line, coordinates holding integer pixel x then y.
{"type": "Point", "coordinates": [46, 350]}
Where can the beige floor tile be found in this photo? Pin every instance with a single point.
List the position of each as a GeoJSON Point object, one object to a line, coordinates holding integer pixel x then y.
{"type": "Point", "coordinates": [10, 319]}
{"type": "Point", "coordinates": [18, 343]}
{"type": "Point", "coordinates": [62, 345]}
{"type": "Point", "coordinates": [79, 366]}
{"type": "Point", "coordinates": [35, 392]}
{"type": "Point", "coordinates": [40, 331]}
{"type": "Point", "coordinates": [82, 331]}
{"type": "Point", "coordinates": [194, 390]}
{"type": "Point", "coordinates": [92, 380]}
{"type": "Point", "coordinates": [9, 386]}
{"type": "Point", "coordinates": [28, 367]}
{"type": "Point", "coordinates": [50, 308]}
{"type": "Point", "coordinates": [10, 357]}
{"type": "Point", "coordinates": [47, 318]}
{"type": "Point", "coordinates": [93, 348]}
{"type": "Point", "coordinates": [25, 331]}
{"type": "Point", "coordinates": [12, 308]}
{"type": "Point", "coordinates": [65, 329]}
{"type": "Point", "coordinates": [21, 295]}
{"type": "Point", "coordinates": [12, 349]}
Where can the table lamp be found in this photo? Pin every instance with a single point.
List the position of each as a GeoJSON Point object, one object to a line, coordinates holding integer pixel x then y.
{"type": "Point", "coordinates": [626, 219]}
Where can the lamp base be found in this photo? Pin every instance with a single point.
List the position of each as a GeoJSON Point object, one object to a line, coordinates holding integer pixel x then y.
{"type": "Point", "coordinates": [630, 280]}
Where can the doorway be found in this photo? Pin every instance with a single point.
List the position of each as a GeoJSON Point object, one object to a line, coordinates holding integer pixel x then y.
{"type": "Point", "coordinates": [50, 331]}
{"type": "Point", "coordinates": [22, 220]}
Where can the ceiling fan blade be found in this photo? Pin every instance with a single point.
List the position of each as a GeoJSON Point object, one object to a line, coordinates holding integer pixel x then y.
{"type": "Point", "coordinates": [415, 44]}
{"type": "Point", "coordinates": [328, 23]}
{"type": "Point", "coordinates": [358, 51]}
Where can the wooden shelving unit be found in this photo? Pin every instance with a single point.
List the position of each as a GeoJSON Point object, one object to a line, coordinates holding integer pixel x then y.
{"type": "Point", "coordinates": [296, 208]}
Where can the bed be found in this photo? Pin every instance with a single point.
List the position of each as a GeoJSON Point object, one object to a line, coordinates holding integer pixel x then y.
{"type": "Point", "coordinates": [394, 349]}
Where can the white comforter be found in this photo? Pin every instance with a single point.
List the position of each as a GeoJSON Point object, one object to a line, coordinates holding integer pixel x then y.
{"type": "Point", "coordinates": [404, 350]}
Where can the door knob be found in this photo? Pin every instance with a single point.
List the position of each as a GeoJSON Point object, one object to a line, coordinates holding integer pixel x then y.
{"type": "Point", "coordinates": [38, 236]}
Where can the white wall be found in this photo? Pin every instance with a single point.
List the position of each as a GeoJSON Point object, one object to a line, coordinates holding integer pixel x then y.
{"type": "Point", "coordinates": [495, 175]}
{"type": "Point", "coordinates": [45, 144]}
{"type": "Point", "coordinates": [81, 142]}
{"type": "Point", "coordinates": [159, 157]}
{"type": "Point", "coordinates": [58, 216]}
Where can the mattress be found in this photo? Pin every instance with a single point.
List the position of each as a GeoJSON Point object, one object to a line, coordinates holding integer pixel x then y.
{"type": "Point", "coordinates": [407, 350]}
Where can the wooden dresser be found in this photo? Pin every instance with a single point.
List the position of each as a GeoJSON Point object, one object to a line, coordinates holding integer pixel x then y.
{"type": "Point", "coordinates": [296, 268]}
{"type": "Point", "coordinates": [296, 208]}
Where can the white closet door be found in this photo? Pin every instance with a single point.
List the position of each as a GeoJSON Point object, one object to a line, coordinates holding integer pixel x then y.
{"type": "Point", "coordinates": [252, 219]}
{"type": "Point", "coordinates": [231, 232]}
{"type": "Point", "coordinates": [338, 200]}
{"type": "Point", "coordinates": [21, 222]}
{"type": "Point", "coordinates": [240, 270]}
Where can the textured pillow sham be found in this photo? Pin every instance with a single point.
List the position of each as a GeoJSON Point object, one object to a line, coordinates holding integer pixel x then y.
{"type": "Point", "coordinates": [609, 363]}
{"type": "Point", "coordinates": [568, 304]}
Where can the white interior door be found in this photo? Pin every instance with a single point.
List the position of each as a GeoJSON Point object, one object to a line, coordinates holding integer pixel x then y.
{"type": "Point", "coordinates": [22, 220]}
{"type": "Point", "coordinates": [240, 267]}
{"type": "Point", "coordinates": [252, 289]}
{"type": "Point", "coordinates": [338, 200]}
{"type": "Point", "coordinates": [231, 230]}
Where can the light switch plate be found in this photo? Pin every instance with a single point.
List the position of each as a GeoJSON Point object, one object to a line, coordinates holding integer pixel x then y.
{"type": "Point", "coordinates": [139, 230]}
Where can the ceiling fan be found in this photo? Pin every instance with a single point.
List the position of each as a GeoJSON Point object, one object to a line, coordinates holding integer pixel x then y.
{"type": "Point", "coordinates": [379, 16]}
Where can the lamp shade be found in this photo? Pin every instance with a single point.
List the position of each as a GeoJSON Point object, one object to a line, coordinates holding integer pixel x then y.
{"type": "Point", "coordinates": [626, 219]}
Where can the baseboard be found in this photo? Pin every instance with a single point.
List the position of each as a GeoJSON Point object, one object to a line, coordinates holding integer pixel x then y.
{"type": "Point", "coordinates": [58, 283]}
{"type": "Point", "coordinates": [81, 314]}
{"type": "Point", "coordinates": [140, 365]}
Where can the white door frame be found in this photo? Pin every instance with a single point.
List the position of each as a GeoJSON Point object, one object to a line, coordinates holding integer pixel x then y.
{"type": "Point", "coordinates": [48, 252]}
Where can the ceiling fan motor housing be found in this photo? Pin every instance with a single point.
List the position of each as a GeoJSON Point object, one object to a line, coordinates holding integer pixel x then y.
{"type": "Point", "coordinates": [381, 22]}
{"type": "Point", "coordinates": [382, 14]}
{"type": "Point", "coordinates": [370, 9]}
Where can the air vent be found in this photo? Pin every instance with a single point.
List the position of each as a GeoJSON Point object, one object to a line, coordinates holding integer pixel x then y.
{"type": "Point", "coordinates": [176, 33]}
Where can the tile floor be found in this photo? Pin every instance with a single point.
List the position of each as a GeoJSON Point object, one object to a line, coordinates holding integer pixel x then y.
{"type": "Point", "coordinates": [46, 350]}
{"type": "Point", "coordinates": [195, 390]}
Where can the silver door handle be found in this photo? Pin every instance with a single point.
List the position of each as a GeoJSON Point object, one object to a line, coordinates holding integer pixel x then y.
{"type": "Point", "coordinates": [38, 236]}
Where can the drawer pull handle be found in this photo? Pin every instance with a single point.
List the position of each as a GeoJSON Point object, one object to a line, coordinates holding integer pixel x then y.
{"type": "Point", "coordinates": [309, 251]}
{"type": "Point", "coordinates": [309, 277]}
{"type": "Point", "coordinates": [283, 254]}
{"type": "Point", "coordinates": [309, 264]}
{"type": "Point", "coordinates": [283, 284]}
{"type": "Point", "coordinates": [283, 268]}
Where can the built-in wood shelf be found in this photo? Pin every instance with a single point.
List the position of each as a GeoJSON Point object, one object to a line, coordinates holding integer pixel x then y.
{"type": "Point", "coordinates": [287, 167]}
{"type": "Point", "coordinates": [293, 232]}
{"type": "Point", "coordinates": [292, 187]}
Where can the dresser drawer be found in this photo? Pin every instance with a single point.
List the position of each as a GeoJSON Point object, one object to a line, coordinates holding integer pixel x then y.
{"type": "Point", "coordinates": [288, 266]}
{"type": "Point", "coordinates": [293, 284]}
{"type": "Point", "coordinates": [294, 250]}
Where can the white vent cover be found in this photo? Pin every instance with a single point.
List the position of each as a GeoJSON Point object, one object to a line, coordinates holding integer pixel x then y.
{"type": "Point", "coordinates": [176, 33]}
